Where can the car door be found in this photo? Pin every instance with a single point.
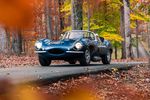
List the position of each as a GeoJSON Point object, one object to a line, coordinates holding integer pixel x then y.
{"type": "Point", "coordinates": [93, 43]}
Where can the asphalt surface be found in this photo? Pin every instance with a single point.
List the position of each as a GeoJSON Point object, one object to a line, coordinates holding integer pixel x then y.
{"type": "Point", "coordinates": [37, 73]}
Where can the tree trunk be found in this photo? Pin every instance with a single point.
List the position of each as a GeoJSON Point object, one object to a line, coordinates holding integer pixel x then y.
{"type": "Point", "coordinates": [148, 36]}
{"type": "Point", "coordinates": [55, 20]}
{"type": "Point", "coordinates": [105, 11]}
{"type": "Point", "coordinates": [76, 17]}
{"type": "Point", "coordinates": [116, 50]}
{"type": "Point", "coordinates": [88, 15]}
{"type": "Point", "coordinates": [8, 40]}
{"type": "Point", "coordinates": [48, 19]}
{"type": "Point", "coordinates": [17, 42]}
{"type": "Point", "coordinates": [122, 31]}
{"type": "Point", "coordinates": [3, 39]}
{"type": "Point", "coordinates": [125, 14]}
{"type": "Point", "coordinates": [127, 28]}
{"type": "Point", "coordinates": [61, 24]}
{"type": "Point", "coordinates": [137, 39]}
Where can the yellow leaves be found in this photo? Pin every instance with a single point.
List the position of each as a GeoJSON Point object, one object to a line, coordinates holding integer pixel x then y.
{"type": "Point", "coordinates": [112, 37]}
{"type": "Point", "coordinates": [114, 70]}
{"type": "Point", "coordinates": [140, 16]}
{"type": "Point", "coordinates": [66, 8]}
{"type": "Point", "coordinates": [136, 17]}
{"type": "Point", "coordinates": [132, 25]}
{"type": "Point", "coordinates": [67, 28]}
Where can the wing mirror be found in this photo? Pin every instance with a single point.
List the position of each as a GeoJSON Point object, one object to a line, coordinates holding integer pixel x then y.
{"type": "Point", "coordinates": [102, 39]}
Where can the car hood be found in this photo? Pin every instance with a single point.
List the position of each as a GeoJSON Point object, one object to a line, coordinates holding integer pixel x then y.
{"type": "Point", "coordinates": [66, 43]}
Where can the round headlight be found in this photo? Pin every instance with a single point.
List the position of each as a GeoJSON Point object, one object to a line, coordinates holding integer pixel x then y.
{"type": "Point", "coordinates": [78, 45]}
{"type": "Point", "coordinates": [38, 45]}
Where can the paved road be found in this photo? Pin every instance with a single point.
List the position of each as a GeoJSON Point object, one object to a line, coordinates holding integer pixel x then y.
{"type": "Point", "coordinates": [36, 73]}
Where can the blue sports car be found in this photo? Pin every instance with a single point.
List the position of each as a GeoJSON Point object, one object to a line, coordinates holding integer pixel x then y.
{"type": "Point", "coordinates": [75, 45]}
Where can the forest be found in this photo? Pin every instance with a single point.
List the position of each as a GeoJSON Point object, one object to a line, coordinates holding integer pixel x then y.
{"type": "Point", "coordinates": [123, 22]}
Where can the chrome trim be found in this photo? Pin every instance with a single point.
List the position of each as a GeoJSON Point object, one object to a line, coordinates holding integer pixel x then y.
{"type": "Point", "coordinates": [74, 51]}
{"type": "Point", "coordinates": [102, 46]}
{"type": "Point", "coordinates": [40, 51]}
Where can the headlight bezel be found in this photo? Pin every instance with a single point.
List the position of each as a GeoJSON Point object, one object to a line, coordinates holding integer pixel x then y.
{"type": "Point", "coordinates": [38, 45]}
{"type": "Point", "coordinates": [78, 45]}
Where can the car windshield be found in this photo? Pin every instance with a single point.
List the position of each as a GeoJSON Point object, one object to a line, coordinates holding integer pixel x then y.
{"type": "Point", "coordinates": [73, 35]}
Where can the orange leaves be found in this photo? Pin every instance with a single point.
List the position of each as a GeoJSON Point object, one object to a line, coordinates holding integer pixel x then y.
{"type": "Point", "coordinates": [8, 91]}
{"type": "Point", "coordinates": [15, 12]}
{"type": "Point", "coordinates": [17, 61]}
{"type": "Point", "coordinates": [79, 94]}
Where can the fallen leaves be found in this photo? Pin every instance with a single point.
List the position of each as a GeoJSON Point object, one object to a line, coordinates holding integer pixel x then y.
{"type": "Point", "coordinates": [133, 84]}
{"type": "Point", "coordinates": [17, 61]}
{"type": "Point", "coordinates": [9, 61]}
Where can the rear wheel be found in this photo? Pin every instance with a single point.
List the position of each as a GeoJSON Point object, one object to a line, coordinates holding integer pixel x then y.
{"type": "Point", "coordinates": [86, 58]}
{"type": "Point", "coordinates": [44, 61]}
{"type": "Point", "coordinates": [106, 59]}
{"type": "Point", "coordinates": [72, 62]}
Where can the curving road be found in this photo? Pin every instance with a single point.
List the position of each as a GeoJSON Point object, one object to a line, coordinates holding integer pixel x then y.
{"type": "Point", "coordinates": [38, 73]}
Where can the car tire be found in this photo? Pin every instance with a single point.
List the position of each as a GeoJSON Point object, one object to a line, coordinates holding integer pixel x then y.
{"type": "Point", "coordinates": [72, 62]}
{"type": "Point", "coordinates": [85, 60]}
{"type": "Point", "coordinates": [106, 59]}
{"type": "Point", "coordinates": [44, 62]}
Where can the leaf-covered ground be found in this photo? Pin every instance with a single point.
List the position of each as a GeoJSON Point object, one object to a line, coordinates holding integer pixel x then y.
{"type": "Point", "coordinates": [9, 61]}
{"type": "Point", "coordinates": [133, 84]}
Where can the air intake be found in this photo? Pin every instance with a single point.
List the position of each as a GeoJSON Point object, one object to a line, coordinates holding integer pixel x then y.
{"type": "Point", "coordinates": [56, 51]}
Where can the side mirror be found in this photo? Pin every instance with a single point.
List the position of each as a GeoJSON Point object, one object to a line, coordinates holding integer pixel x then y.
{"type": "Point", "coordinates": [102, 39]}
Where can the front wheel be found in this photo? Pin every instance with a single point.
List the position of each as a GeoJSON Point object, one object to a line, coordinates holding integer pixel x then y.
{"type": "Point", "coordinates": [85, 60]}
{"type": "Point", "coordinates": [44, 61]}
{"type": "Point", "coordinates": [106, 59]}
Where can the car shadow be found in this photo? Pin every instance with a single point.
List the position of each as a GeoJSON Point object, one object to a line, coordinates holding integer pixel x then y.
{"type": "Point", "coordinates": [75, 65]}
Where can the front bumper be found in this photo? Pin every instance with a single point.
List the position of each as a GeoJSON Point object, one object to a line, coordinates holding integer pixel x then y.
{"type": "Point", "coordinates": [40, 52]}
{"type": "Point", "coordinates": [67, 55]}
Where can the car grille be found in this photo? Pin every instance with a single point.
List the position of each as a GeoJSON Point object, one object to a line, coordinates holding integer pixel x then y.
{"type": "Point", "coordinates": [56, 51]}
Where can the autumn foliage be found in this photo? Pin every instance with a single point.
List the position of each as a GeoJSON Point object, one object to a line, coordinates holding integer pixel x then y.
{"type": "Point", "coordinates": [15, 12]}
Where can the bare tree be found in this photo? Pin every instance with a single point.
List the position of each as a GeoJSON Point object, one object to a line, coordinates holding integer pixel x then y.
{"type": "Point", "coordinates": [55, 19]}
{"type": "Point", "coordinates": [88, 14]}
{"type": "Point", "coordinates": [61, 18]}
{"type": "Point", "coordinates": [125, 29]}
{"type": "Point", "coordinates": [48, 19]}
{"type": "Point", "coordinates": [2, 39]}
{"type": "Point", "coordinates": [17, 41]}
{"type": "Point", "coordinates": [8, 48]}
{"type": "Point", "coordinates": [137, 38]}
{"type": "Point", "coordinates": [76, 17]}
